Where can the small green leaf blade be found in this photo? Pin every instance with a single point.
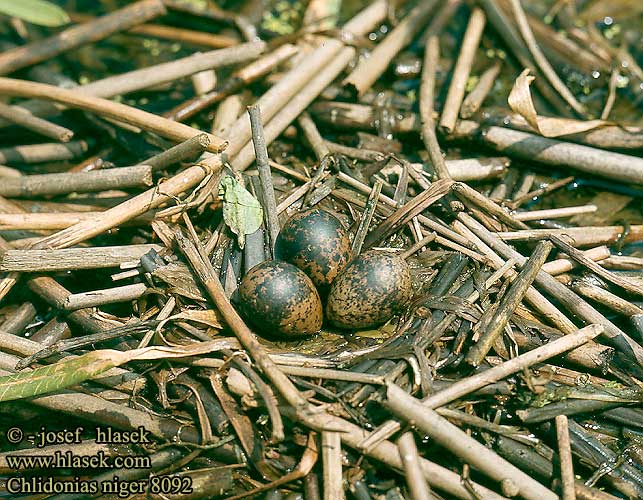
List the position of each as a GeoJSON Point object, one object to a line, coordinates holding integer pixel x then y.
{"type": "Point", "coordinates": [242, 212]}
{"type": "Point", "coordinates": [39, 12]}
{"type": "Point", "coordinates": [57, 376]}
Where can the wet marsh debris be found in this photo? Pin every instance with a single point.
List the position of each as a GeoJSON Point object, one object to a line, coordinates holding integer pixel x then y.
{"type": "Point", "coordinates": [322, 249]}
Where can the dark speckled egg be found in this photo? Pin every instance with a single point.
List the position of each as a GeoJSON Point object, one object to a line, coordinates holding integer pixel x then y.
{"type": "Point", "coordinates": [280, 300]}
{"type": "Point", "coordinates": [316, 242]}
{"type": "Point", "coordinates": [373, 287]}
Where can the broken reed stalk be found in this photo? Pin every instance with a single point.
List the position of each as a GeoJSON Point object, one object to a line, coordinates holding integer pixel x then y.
{"type": "Point", "coordinates": [313, 136]}
{"type": "Point", "coordinates": [415, 481]}
{"type": "Point", "coordinates": [237, 80]}
{"type": "Point", "coordinates": [605, 297]}
{"type": "Point", "coordinates": [565, 455]}
{"type": "Point", "coordinates": [159, 74]}
{"type": "Point", "coordinates": [265, 176]}
{"type": "Point", "coordinates": [427, 107]}
{"type": "Point", "coordinates": [474, 99]}
{"type": "Point", "coordinates": [47, 48]}
{"type": "Point", "coordinates": [186, 150]}
{"type": "Point", "coordinates": [331, 448]}
{"type": "Point", "coordinates": [367, 217]}
{"type": "Point", "coordinates": [37, 153]}
{"type": "Point", "coordinates": [97, 298]}
{"type": "Point", "coordinates": [496, 321]}
{"type": "Point", "coordinates": [470, 384]}
{"type": "Point", "coordinates": [608, 164]}
{"type": "Point", "coordinates": [310, 66]}
{"type": "Point", "coordinates": [369, 70]}
{"type": "Point", "coordinates": [200, 38]}
{"type": "Point", "coordinates": [24, 119]}
{"type": "Point", "coordinates": [554, 213]}
{"type": "Point", "coordinates": [121, 112]}
{"type": "Point", "coordinates": [579, 236]}
{"type": "Point", "coordinates": [628, 285]}
{"type": "Point", "coordinates": [564, 295]}
{"type": "Point", "coordinates": [513, 481]}
{"type": "Point", "coordinates": [166, 191]}
{"type": "Point", "coordinates": [80, 182]}
{"type": "Point", "coordinates": [563, 265]}
{"type": "Point", "coordinates": [462, 69]}
{"type": "Point", "coordinates": [69, 259]}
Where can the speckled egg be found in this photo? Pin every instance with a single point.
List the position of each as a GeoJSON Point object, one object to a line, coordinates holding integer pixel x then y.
{"type": "Point", "coordinates": [316, 242]}
{"type": "Point", "coordinates": [373, 287]}
{"type": "Point", "coordinates": [279, 300]}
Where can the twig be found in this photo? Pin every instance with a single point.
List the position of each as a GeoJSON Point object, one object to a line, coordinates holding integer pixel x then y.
{"type": "Point", "coordinates": [614, 166]}
{"type": "Point", "coordinates": [554, 213]}
{"type": "Point", "coordinates": [121, 112]}
{"type": "Point", "coordinates": [367, 217]}
{"type": "Point", "coordinates": [332, 462]}
{"type": "Point", "coordinates": [41, 50]}
{"type": "Point", "coordinates": [133, 207]}
{"type": "Point", "coordinates": [494, 325]}
{"type": "Point", "coordinates": [26, 120]}
{"type": "Point", "coordinates": [461, 71]}
{"type": "Point", "coordinates": [69, 259]}
{"type": "Point", "coordinates": [563, 265]}
{"type": "Point", "coordinates": [565, 454]}
{"type": "Point", "coordinates": [427, 106]}
{"type": "Point", "coordinates": [97, 298]}
{"type": "Point", "coordinates": [96, 180]}
{"type": "Point", "coordinates": [368, 71]}
{"type": "Point", "coordinates": [265, 176]}
{"type": "Point", "coordinates": [414, 478]}
{"type": "Point", "coordinates": [513, 481]}
{"type": "Point", "coordinates": [470, 384]}
{"type": "Point", "coordinates": [472, 103]}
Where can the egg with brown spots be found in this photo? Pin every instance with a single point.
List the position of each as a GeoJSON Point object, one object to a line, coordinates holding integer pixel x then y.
{"type": "Point", "coordinates": [279, 300]}
{"type": "Point", "coordinates": [316, 242]}
{"type": "Point", "coordinates": [370, 291]}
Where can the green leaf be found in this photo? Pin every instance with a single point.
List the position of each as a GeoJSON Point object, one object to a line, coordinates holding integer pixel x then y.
{"type": "Point", "coordinates": [241, 211]}
{"type": "Point", "coordinates": [54, 377]}
{"type": "Point", "coordinates": [35, 11]}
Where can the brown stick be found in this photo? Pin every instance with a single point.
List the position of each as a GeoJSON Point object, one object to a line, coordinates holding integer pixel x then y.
{"type": "Point", "coordinates": [24, 119]}
{"type": "Point", "coordinates": [563, 265]}
{"type": "Point", "coordinates": [332, 462]}
{"type": "Point", "coordinates": [265, 176]}
{"type": "Point", "coordinates": [510, 301]}
{"type": "Point", "coordinates": [97, 298]}
{"type": "Point", "coordinates": [427, 106]}
{"type": "Point", "coordinates": [465, 447]}
{"type": "Point", "coordinates": [121, 112]}
{"type": "Point", "coordinates": [369, 70]}
{"type": "Point", "coordinates": [41, 50]}
{"type": "Point", "coordinates": [138, 205]}
{"type": "Point", "coordinates": [461, 71]}
{"type": "Point", "coordinates": [413, 470]}
{"type": "Point", "coordinates": [69, 259]}
{"type": "Point", "coordinates": [38, 153]}
{"type": "Point", "coordinates": [565, 454]}
{"type": "Point", "coordinates": [614, 166]}
{"type": "Point", "coordinates": [81, 182]}
{"type": "Point", "coordinates": [476, 97]}
{"type": "Point", "coordinates": [201, 38]}
{"type": "Point", "coordinates": [470, 384]}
